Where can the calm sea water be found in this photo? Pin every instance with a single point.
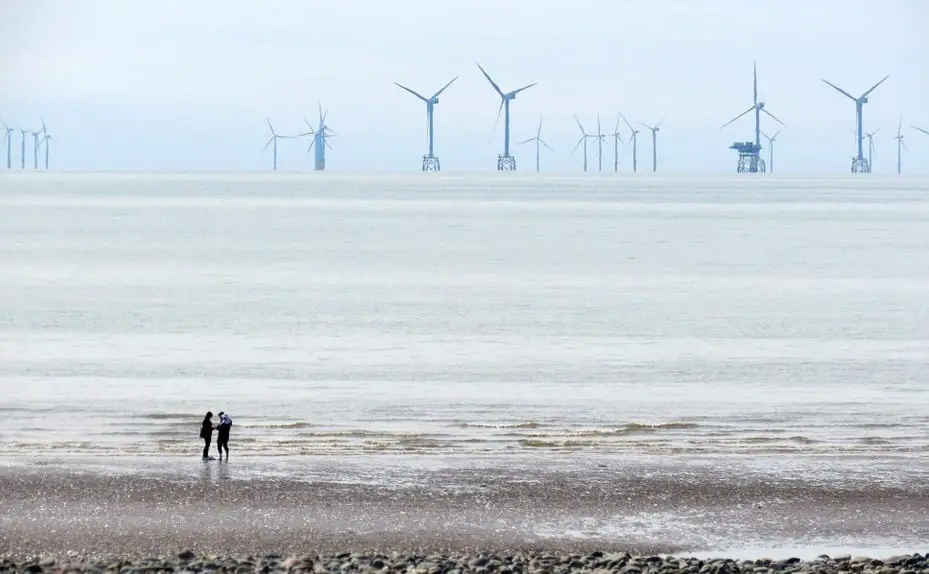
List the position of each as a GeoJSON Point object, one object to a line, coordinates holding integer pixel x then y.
{"type": "Point", "coordinates": [512, 318]}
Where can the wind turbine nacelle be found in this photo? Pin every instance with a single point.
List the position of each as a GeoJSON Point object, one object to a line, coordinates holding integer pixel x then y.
{"type": "Point", "coordinates": [864, 100]}
{"type": "Point", "coordinates": [760, 105]}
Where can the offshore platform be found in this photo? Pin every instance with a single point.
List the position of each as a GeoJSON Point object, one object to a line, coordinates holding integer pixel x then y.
{"type": "Point", "coordinates": [750, 160]}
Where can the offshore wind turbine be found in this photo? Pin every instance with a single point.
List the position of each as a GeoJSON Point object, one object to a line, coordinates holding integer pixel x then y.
{"type": "Point", "coordinates": [599, 137]}
{"type": "Point", "coordinates": [634, 138]}
{"type": "Point", "coordinates": [870, 136]}
{"type": "Point", "coordinates": [859, 164]}
{"type": "Point", "coordinates": [505, 162]}
{"type": "Point", "coordinates": [900, 146]}
{"type": "Point", "coordinates": [273, 141]}
{"type": "Point", "coordinates": [35, 149]}
{"type": "Point", "coordinates": [320, 140]}
{"type": "Point", "coordinates": [771, 140]}
{"type": "Point", "coordinates": [616, 139]}
{"type": "Point", "coordinates": [45, 139]}
{"type": "Point", "coordinates": [655, 129]}
{"type": "Point", "coordinates": [430, 160]}
{"type": "Point", "coordinates": [538, 143]}
{"type": "Point", "coordinates": [583, 141]}
{"type": "Point", "coordinates": [9, 144]}
{"type": "Point", "coordinates": [750, 152]}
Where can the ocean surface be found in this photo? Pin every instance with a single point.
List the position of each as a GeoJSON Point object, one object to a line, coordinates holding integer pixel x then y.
{"type": "Point", "coordinates": [514, 320]}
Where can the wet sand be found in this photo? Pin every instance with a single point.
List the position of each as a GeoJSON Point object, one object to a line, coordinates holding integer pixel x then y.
{"type": "Point", "coordinates": [59, 513]}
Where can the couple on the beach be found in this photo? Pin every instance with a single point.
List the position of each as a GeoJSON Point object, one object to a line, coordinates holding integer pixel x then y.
{"type": "Point", "coordinates": [222, 436]}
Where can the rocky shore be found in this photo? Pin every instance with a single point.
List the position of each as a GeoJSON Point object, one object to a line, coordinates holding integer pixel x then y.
{"type": "Point", "coordinates": [499, 563]}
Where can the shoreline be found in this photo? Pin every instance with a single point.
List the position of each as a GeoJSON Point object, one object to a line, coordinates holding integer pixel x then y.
{"type": "Point", "coordinates": [56, 513]}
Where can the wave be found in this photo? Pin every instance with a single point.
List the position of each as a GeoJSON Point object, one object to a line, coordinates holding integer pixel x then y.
{"type": "Point", "coordinates": [171, 416]}
{"type": "Point", "coordinates": [290, 425]}
{"type": "Point", "coordinates": [522, 425]}
{"type": "Point", "coordinates": [633, 428]}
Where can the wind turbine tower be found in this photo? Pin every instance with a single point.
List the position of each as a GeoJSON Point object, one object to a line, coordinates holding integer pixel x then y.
{"type": "Point", "coordinates": [35, 149]}
{"type": "Point", "coordinates": [634, 138]}
{"type": "Point", "coordinates": [771, 140]}
{"type": "Point", "coordinates": [505, 162]}
{"type": "Point", "coordinates": [583, 141]}
{"type": "Point", "coordinates": [430, 160]}
{"type": "Point", "coordinates": [538, 143]}
{"type": "Point", "coordinates": [47, 138]}
{"type": "Point", "coordinates": [616, 139]}
{"type": "Point", "coordinates": [859, 163]}
{"type": "Point", "coordinates": [655, 129]}
{"type": "Point", "coordinates": [22, 147]}
{"type": "Point", "coordinates": [320, 141]}
{"type": "Point", "coordinates": [750, 152]}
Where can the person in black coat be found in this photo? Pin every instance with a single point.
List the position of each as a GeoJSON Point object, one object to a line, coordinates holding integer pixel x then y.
{"type": "Point", "coordinates": [206, 433]}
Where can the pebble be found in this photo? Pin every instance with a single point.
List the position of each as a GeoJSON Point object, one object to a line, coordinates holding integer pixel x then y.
{"type": "Point", "coordinates": [479, 563]}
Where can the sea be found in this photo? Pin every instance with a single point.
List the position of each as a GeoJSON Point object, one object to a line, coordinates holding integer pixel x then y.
{"type": "Point", "coordinates": [396, 320]}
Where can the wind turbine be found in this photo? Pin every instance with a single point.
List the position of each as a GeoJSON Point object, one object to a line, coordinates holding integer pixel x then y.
{"type": "Point", "coordinates": [870, 136]}
{"type": "Point", "coordinates": [47, 138]}
{"type": "Point", "coordinates": [749, 154]}
{"type": "Point", "coordinates": [634, 138]}
{"type": "Point", "coordinates": [771, 140]}
{"type": "Point", "coordinates": [599, 137]}
{"type": "Point", "coordinates": [655, 129]}
{"type": "Point", "coordinates": [320, 141]}
{"type": "Point", "coordinates": [538, 143]}
{"type": "Point", "coordinates": [273, 140]}
{"type": "Point", "coordinates": [616, 139]}
{"type": "Point", "coordinates": [583, 141]}
{"type": "Point", "coordinates": [35, 148]}
{"type": "Point", "coordinates": [859, 165]}
{"type": "Point", "coordinates": [9, 144]}
{"type": "Point", "coordinates": [430, 161]}
{"type": "Point", "coordinates": [22, 147]}
{"type": "Point", "coordinates": [900, 146]}
{"type": "Point", "coordinates": [505, 162]}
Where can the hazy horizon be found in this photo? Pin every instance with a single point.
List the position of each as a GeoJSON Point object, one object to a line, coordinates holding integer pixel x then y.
{"type": "Point", "coordinates": [169, 86]}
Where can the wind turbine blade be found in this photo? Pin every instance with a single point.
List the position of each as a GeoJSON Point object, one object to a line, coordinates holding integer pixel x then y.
{"type": "Point", "coordinates": [579, 125]}
{"type": "Point", "coordinates": [919, 129]}
{"type": "Point", "coordinates": [599, 131]}
{"type": "Point", "coordinates": [900, 126]}
{"type": "Point", "coordinates": [328, 145]}
{"type": "Point", "coordinates": [497, 121]}
{"type": "Point", "coordinates": [658, 125]}
{"type": "Point", "coordinates": [411, 91]}
{"type": "Point", "coordinates": [309, 125]}
{"type": "Point", "coordinates": [526, 141]}
{"type": "Point", "coordinates": [874, 87]}
{"type": "Point", "coordinates": [627, 122]}
{"type": "Point", "coordinates": [755, 75]}
{"type": "Point", "coordinates": [746, 112]}
{"type": "Point", "coordinates": [773, 117]}
{"type": "Point", "coordinates": [616, 129]}
{"type": "Point", "coordinates": [492, 83]}
{"type": "Point", "coordinates": [841, 90]}
{"type": "Point", "coordinates": [269, 125]}
{"type": "Point", "coordinates": [44, 131]}
{"type": "Point", "coordinates": [579, 142]}
{"type": "Point", "coordinates": [538, 132]}
{"type": "Point", "coordinates": [766, 136]}
{"type": "Point", "coordinates": [445, 86]}
{"type": "Point", "coordinates": [646, 126]}
{"type": "Point", "coordinates": [270, 139]}
{"type": "Point", "coordinates": [514, 92]}
{"type": "Point", "coordinates": [541, 141]}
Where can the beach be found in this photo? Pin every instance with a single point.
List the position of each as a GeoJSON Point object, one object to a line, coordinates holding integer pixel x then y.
{"type": "Point", "coordinates": [56, 512]}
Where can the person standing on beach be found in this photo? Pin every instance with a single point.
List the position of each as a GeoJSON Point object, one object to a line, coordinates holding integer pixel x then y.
{"type": "Point", "coordinates": [222, 437]}
{"type": "Point", "coordinates": [206, 433]}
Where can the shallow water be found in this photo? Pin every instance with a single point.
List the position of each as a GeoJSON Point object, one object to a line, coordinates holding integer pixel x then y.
{"type": "Point", "coordinates": [530, 319]}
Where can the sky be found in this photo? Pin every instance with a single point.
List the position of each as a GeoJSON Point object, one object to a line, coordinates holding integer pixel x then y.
{"type": "Point", "coordinates": [172, 85]}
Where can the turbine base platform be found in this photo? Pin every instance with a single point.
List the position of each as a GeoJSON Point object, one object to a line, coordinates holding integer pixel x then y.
{"type": "Point", "coordinates": [506, 163]}
{"type": "Point", "coordinates": [431, 163]}
{"type": "Point", "coordinates": [749, 157]}
{"type": "Point", "coordinates": [861, 165]}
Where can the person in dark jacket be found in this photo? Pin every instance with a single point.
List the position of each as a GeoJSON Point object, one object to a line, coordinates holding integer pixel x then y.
{"type": "Point", "coordinates": [222, 436]}
{"type": "Point", "coordinates": [206, 433]}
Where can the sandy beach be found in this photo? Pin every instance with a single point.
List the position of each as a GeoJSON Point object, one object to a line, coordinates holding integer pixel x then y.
{"type": "Point", "coordinates": [54, 512]}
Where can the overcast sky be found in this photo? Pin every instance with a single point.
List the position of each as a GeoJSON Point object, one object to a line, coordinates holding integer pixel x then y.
{"type": "Point", "coordinates": [186, 85]}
